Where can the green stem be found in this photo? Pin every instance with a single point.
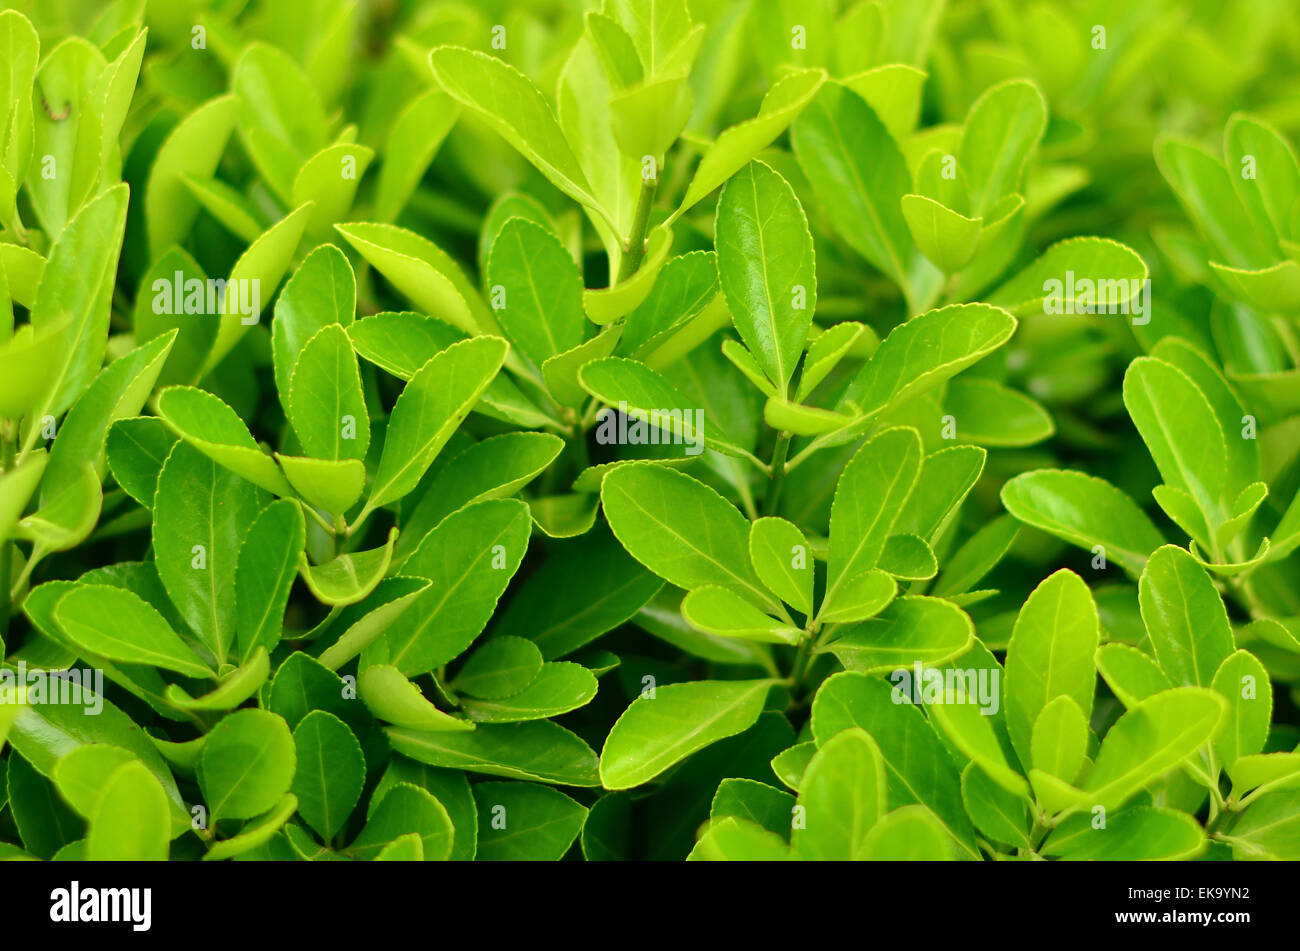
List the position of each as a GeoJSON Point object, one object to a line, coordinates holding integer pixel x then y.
{"type": "Point", "coordinates": [635, 252]}
{"type": "Point", "coordinates": [779, 454]}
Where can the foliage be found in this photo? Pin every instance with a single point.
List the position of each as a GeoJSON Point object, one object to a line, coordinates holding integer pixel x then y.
{"type": "Point", "coordinates": [724, 429]}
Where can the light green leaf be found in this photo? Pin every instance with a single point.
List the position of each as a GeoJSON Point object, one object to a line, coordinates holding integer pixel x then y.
{"type": "Point", "coordinates": [202, 512]}
{"type": "Point", "coordinates": [268, 561]}
{"type": "Point", "coordinates": [1085, 511]}
{"type": "Point", "coordinates": [680, 529]}
{"type": "Point", "coordinates": [911, 834]}
{"type": "Point", "coordinates": [394, 699]}
{"type": "Point", "coordinates": [117, 624]}
{"type": "Point", "coordinates": [406, 809]}
{"type": "Point", "coordinates": [331, 771]}
{"type": "Point", "coordinates": [502, 667]}
{"type": "Point", "coordinates": [737, 145]}
{"type": "Point", "coordinates": [1059, 744]}
{"type": "Point", "coordinates": [1003, 127]}
{"type": "Point", "coordinates": [515, 108]}
{"type": "Point", "coordinates": [247, 765]}
{"type": "Point", "coordinates": [1184, 616]}
{"type": "Point", "coordinates": [130, 820]}
{"type": "Point", "coordinates": [1244, 683]}
{"type": "Point", "coordinates": [536, 291]}
{"type": "Point", "coordinates": [660, 729]}
{"type": "Point", "coordinates": [213, 428]}
{"type": "Point", "coordinates": [537, 750]}
{"type": "Point", "coordinates": [469, 559]}
{"type": "Point", "coordinates": [781, 559]}
{"type": "Point", "coordinates": [720, 611]}
{"type": "Point", "coordinates": [765, 260]}
{"type": "Point", "coordinates": [859, 176]}
{"type": "Point", "coordinates": [1050, 654]}
{"type": "Point", "coordinates": [843, 793]}
{"type": "Point", "coordinates": [193, 148]}
{"type": "Point", "coordinates": [325, 404]}
{"type": "Point", "coordinates": [871, 492]}
{"type": "Point", "coordinates": [525, 822]}
{"type": "Point", "coordinates": [432, 405]}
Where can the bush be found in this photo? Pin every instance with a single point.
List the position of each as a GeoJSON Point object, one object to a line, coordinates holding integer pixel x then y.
{"type": "Point", "coordinates": [871, 426]}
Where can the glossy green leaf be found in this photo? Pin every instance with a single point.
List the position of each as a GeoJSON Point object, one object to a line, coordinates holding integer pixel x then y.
{"type": "Point", "coordinates": [662, 728]}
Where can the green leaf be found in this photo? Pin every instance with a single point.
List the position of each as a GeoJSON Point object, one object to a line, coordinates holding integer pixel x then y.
{"type": "Point", "coordinates": [120, 390]}
{"type": "Point", "coordinates": [267, 563]}
{"type": "Point", "coordinates": [1085, 511]}
{"type": "Point", "coordinates": [1003, 127]}
{"type": "Point", "coordinates": [1072, 276]}
{"type": "Point", "coordinates": [255, 833]}
{"type": "Point", "coordinates": [348, 578]}
{"type": "Point", "coordinates": [422, 272]}
{"type": "Point", "coordinates": [502, 667]}
{"type": "Point", "coordinates": [1244, 683]}
{"type": "Point", "coordinates": [1271, 192]}
{"type": "Point", "coordinates": [790, 765]}
{"type": "Point", "coordinates": [1050, 655]}
{"type": "Point", "coordinates": [334, 485]}
{"type": "Point", "coordinates": [911, 833]}
{"type": "Point", "coordinates": [136, 449]}
{"type": "Point", "coordinates": [394, 699]}
{"type": "Point", "coordinates": [949, 239]}
{"type": "Point", "coordinates": [781, 559]}
{"type": "Point", "coordinates": [928, 349]}
{"type": "Point", "coordinates": [843, 794]}
{"type": "Point", "coordinates": [78, 281]}
{"type": "Point", "coordinates": [117, 624]}
{"type": "Point", "coordinates": [247, 765]}
{"type": "Point", "coordinates": [469, 560]}
{"type": "Point", "coordinates": [27, 363]}
{"type": "Point", "coordinates": [17, 485]}
{"type": "Point", "coordinates": [326, 405]}
{"type": "Point", "coordinates": [859, 176]}
{"type": "Point", "coordinates": [1059, 744]}
{"type": "Point", "coordinates": [331, 771]}
{"type": "Point", "coordinates": [321, 291]}
{"type": "Point", "coordinates": [737, 840]}
{"type": "Point", "coordinates": [212, 427]}
{"type": "Point", "coordinates": [1131, 675]}
{"type": "Point", "coordinates": [1184, 616]}
{"type": "Point", "coordinates": [432, 405]}
{"type": "Point", "coordinates": [918, 767]}
{"type": "Point", "coordinates": [661, 728]}
{"type": "Point", "coordinates": [737, 145]}
{"type": "Point", "coordinates": [536, 291]}
{"type": "Point", "coordinates": [998, 814]}
{"type": "Point", "coordinates": [281, 118]}
{"type": "Point", "coordinates": [508, 101]}
{"type": "Point", "coordinates": [749, 800]}
{"type": "Point", "coordinates": [525, 822]}
{"type": "Point", "coordinates": [872, 490]}
{"type": "Point", "coordinates": [193, 148]}
{"type": "Point", "coordinates": [680, 529]}
{"type": "Point", "coordinates": [971, 730]}
{"type": "Point", "coordinates": [911, 629]}
{"type": "Point", "coordinates": [130, 820]}
{"type": "Point", "coordinates": [537, 750]}
{"type": "Point", "coordinates": [202, 513]}
{"type": "Point", "coordinates": [1204, 188]}
{"type": "Point", "coordinates": [328, 180]}
{"type": "Point", "coordinates": [558, 688]}
{"type": "Point", "coordinates": [990, 414]}
{"type": "Point", "coordinates": [1269, 829]}
{"type": "Point", "coordinates": [720, 611]}
{"type": "Point", "coordinates": [1135, 834]}
{"type": "Point", "coordinates": [1150, 739]}
{"type": "Point", "coordinates": [765, 261]}
{"type": "Point", "coordinates": [406, 809]}
{"type": "Point", "coordinates": [82, 774]}
{"type": "Point", "coordinates": [413, 140]}
{"type": "Point", "coordinates": [235, 686]}
{"type": "Point", "coordinates": [1181, 431]}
